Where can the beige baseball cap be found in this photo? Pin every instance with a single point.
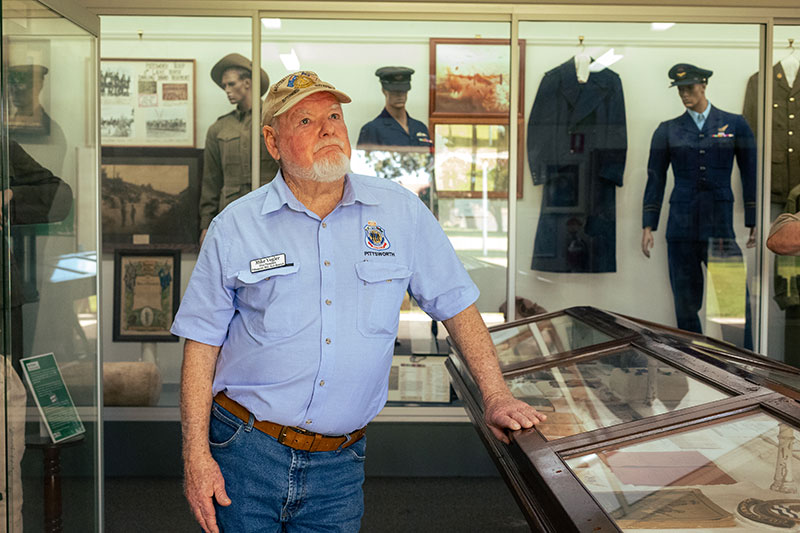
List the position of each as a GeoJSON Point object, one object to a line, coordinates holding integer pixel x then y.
{"type": "Point", "coordinates": [293, 88]}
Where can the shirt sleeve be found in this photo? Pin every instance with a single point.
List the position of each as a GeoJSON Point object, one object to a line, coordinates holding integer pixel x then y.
{"type": "Point", "coordinates": [208, 304]}
{"type": "Point", "coordinates": [439, 283]}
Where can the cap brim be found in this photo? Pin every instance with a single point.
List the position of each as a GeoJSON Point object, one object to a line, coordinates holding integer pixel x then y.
{"type": "Point", "coordinates": [342, 97]}
{"type": "Point", "coordinates": [691, 81]}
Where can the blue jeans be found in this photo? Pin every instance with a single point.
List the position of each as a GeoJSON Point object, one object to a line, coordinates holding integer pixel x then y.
{"type": "Point", "coordinates": [274, 488]}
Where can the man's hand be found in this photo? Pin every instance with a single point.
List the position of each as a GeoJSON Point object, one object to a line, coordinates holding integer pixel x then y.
{"type": "Point", "coordinates": [204, 481]}
{"type": "Point", "coordinates": [647, 241]}
{"type": "Point", "coordinates": [502, 411]}
{"type": "Point", "coordinates": [751, 240]}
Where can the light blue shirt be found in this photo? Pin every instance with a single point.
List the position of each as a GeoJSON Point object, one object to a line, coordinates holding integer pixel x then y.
{"type": "Point", "coordinates": [700, 118]}
{"type": "Point", "coordinates": [307, 310]}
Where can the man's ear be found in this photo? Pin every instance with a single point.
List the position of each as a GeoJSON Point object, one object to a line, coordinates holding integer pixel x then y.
{"type": "Point", "coordinates": [271, 141]}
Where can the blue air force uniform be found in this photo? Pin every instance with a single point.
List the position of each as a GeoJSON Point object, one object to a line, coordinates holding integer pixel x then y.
{"type": "Point", "coordinates": [384, 130]}
{"type": "Point", "coordinates": [701, 203]}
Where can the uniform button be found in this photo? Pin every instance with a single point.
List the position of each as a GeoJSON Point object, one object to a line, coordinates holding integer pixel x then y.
{"type": "Point", "coordinates": [327, 263]}
{"type": "Point", "coordinates": [327, 341]}
{"type": "Point", "coordinates": [308, 421]}
{"type": "Point", "coordinates": [324, 225]}
{"type": "Point", "coordinates": [322, 383]}
{"type": "Point", "coordinates": [791, 98]}
{"type": "Point", "coordinates": [775, 106]}
{"type": "Point", "coordinates": [702, 151]}
{"type": "Point", "coordinates": [327, 302]}
{"type": "Point", "coordinates": [790, 133]}
{"type": "Point", "coordinates": [702, 135]}
{"type": "Point", "coordinates": [702, 168]}
{"type": "Point", "coordinates": [572, 151]}
{"type": "Point", "coordinates": [791, 150]}
{"type": "Point", "coordinates": [791, 116]}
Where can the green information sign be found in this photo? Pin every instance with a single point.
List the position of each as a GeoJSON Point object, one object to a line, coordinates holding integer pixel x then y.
{"type": "Point", "coordinates": [52, 397]}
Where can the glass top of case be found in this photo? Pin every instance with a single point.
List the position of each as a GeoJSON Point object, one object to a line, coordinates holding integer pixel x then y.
{"type": "Point", "coordinates": [733, 475]}
{"type": "Point", "coordinates": [607, 390]}
{"type": "Point", "coordinates": [531, 341]}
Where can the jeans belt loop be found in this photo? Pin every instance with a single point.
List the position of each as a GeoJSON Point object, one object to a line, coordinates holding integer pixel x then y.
{"type": "Point", "coordinates": [347, 438]}
{"type": "Point", "coordinates": [250, 422]}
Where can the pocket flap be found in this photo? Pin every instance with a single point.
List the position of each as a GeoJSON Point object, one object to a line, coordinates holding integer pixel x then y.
{"type": "Point", "coordinates": [245, 276]}
{"type": "Point", "coordinates": [375, 272]}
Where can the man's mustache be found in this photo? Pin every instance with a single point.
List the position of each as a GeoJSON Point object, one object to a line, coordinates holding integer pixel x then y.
{"type": "Point", "coordinates": [329, 142]}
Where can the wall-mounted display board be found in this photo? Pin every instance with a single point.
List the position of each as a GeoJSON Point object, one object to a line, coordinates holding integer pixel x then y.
{"type": "Point", "coordinates": [147, 102]}
{"type": "Point", "coordinates": [648, 427]}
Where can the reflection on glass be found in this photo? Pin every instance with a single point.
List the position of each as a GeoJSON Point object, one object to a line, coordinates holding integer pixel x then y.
{"type": "Point", "coordinates": [736, 474]}
{"type": "Point", "coordinates": [529, 342]}
{"type": "Point", "coordinates": [471, 157]}
{"type": "Point", "coordinates": [608, 390]}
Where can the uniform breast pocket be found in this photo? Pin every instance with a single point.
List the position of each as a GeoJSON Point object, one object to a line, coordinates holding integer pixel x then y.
{"type": "Point", "coordinates": [381, 287]}
{"type": "Point", "coordinates": [230, 153]}
{"type": "Point", "coordinates": [265, 299]}
{"type": "Point", "coordinates": [722, 152]}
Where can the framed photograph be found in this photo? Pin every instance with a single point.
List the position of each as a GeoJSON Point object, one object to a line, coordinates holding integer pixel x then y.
{"type": "Point", "coordinates": [471, 77]}
{"type": "Point", "coordinates": [146, 294]}
{"type": "Point", "coordinates": [29, 94]}
{"type": "Point", "coordinates": [150, 197]}
{"type": "Point", "coordinates": [147, 102]}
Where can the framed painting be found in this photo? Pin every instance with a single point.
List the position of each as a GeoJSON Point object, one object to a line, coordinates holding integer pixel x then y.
{"type": "Point", "coordinates": [147, 102]}
{"type": "Point", "coordinates": [146, 294]}
{"type": "Point", "coordinates": [471, 78]}
{"type": "Point", "coordinates": [150, 197]}
{"type": "Point", "coordinates": [29, 95]}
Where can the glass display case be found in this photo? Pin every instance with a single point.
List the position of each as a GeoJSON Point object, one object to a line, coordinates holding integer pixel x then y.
{"type": "Point", "coordinates": [51, 468]}
{"type": "Point", "coordinates": [648, 427]}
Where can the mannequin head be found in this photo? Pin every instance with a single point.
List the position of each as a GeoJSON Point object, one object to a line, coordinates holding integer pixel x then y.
{"type": "Point", "coordinates": [395, 100]}
{"type": "Point", "coordinates": [694, 96]}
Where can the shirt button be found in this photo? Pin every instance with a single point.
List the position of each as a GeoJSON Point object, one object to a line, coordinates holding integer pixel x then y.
{"type": "Point", "coordinates": [328, 341]}
{"type": "Point", "coordinates": [327, 263]}
{"type": "Point", "coordinates": [324, 225]}
{"type": "Point", "coordinates": [322, 383]}
{"type": "Point", "coordinates": [327, 302]}
{"type": "Point", "coordinates": [308, 421]}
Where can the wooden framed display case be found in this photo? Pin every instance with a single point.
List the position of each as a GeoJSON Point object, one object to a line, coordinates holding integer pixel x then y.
{"type": "Point", "coordinates": [648, 428]}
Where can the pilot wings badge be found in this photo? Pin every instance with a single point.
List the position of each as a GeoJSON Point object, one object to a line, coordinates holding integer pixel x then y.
{"type": "Point", "coordinates": [375, 237]}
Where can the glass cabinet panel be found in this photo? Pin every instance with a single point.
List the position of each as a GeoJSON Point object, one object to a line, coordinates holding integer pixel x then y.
{"type": "Point", "coordinates": [607, 390]}
{"type": "Point", "coordinates": [49, 227]}
{"type": "Point", "coordinates": [528, 343]}
{"type": "Point", "coordinates": [735, 474]}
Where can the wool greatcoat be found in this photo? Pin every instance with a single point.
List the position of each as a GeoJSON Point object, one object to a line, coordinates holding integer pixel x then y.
{"type": "Point", "coordinates": [577, 142]}
{"type": "Point", "coordinates": [785, 130]}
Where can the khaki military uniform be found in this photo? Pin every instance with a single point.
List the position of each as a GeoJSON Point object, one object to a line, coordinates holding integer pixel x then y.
{"type": "Point", "coordinates": [226, 165]}
{"type": "Point", "coordinates": [785, 130]}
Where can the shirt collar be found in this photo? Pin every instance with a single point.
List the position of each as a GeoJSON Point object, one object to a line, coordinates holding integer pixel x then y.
{"type": "Point", "coordinates": [279, 194]}
{"type": "Point", "coordinates": [695, 115]}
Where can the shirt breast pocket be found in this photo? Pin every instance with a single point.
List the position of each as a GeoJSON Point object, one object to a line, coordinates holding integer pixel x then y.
{"type": "Point", "coordinates": [265, 299]}
{"type": "Point", "coordinates": [381, 287]}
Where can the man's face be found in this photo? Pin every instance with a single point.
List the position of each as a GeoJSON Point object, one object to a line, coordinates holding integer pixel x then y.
{"type": "Point", "coordinates": [692, 95]}
{"type": "Point", "coordinates": [236, 88]}
{"type": "Point", "coordinates": [312, 138]}
{"type": "Point", "coordinates": [395, 99]}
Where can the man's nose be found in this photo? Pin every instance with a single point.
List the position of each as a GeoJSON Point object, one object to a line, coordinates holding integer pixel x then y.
{"type": "Point", "coordinates": [326, 129]}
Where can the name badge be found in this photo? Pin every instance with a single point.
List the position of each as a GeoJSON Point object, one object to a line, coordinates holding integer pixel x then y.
{"type": "Point", "coordinates": [267, 263]}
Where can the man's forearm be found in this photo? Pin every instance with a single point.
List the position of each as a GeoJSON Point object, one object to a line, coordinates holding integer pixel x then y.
{"type": "Point", "coordinates": [786, 241]}
{"type": "Point", "coordinates": [469, 331]}
{"type": "Point", "coordinates": [197, 374]}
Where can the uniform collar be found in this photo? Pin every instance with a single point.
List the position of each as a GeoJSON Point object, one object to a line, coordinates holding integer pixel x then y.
{"type": "Point", "coordinates": [241, 115]}
{"type": "Point", "coordinates": [279, 194]}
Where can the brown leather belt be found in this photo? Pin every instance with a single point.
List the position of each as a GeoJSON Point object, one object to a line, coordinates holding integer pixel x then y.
{"type": "Point", "coordinates": [297, 438]}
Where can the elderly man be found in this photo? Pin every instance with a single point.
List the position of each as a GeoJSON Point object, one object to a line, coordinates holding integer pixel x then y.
{"type": "Point", "coordinates": [290, 318]}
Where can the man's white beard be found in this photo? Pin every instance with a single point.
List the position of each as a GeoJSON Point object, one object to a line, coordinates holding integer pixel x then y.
{"type": "Point", "coordinates": [327, 170]}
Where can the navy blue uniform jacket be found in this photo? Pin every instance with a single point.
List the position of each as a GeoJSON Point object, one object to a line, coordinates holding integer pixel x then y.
{"type": "Point", "coordinates": [577, 143]}
{"type": "Point", "coordinates": [384, 130]}
{"type": "Point", "coordinates": [701, 203]}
